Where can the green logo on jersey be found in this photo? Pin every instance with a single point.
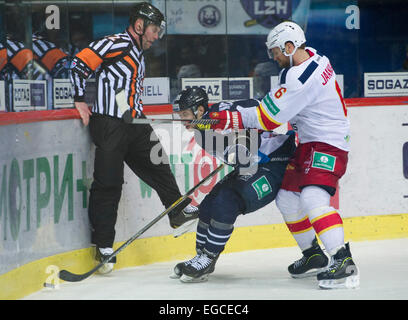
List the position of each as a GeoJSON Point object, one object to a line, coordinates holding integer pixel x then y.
{"type": "Point", "coordinates": [323, 161]}
{"type": "Point", "coordinates": [262, 187]}
{"type": "Point", "coordinates": [270, 105]}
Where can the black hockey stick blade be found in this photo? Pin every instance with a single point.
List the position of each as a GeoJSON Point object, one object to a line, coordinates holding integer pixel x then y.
{"type": "Point", "coordinates": [184, 200]}
{"type": "Point", "coordinates": [72, 277]}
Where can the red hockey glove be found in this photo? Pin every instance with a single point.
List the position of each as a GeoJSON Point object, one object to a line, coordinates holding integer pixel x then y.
{"type": "Point", "coordinates": [227, 120]}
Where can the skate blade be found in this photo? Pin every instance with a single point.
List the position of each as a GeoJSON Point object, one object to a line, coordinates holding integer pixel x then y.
{"type": "Point", "coordinates": [351, 282]}
{"type": "Point", "coordinates": [187, 279]}
{"type": "Point", "coordinates": [308, 274]}
{"type": "Point", "coordinates": [186, 227]}
{"type": "Point", "coordinates": [175, 275]}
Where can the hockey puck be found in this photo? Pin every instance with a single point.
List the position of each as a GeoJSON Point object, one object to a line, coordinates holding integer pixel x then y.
{"type": "Point", "coordinates": [49, 285]}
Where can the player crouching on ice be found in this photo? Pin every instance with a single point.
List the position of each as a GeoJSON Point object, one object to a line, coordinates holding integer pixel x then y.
{"type": "Point", "coordinates": [250, 186]}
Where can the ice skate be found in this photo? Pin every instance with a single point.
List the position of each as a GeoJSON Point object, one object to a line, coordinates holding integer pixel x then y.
{"type": "Point", "coordinates": [101, 254]}
{"type": "Point", "coordinates": [184, 220]}
{"type": "Point", "coordinates": [313, 261]}
{"type": "Point", "coordinates": [178, 269]}
{"type": "Point", "coordinates": [342, 272]}
{"type": "Point", "coordinates": [200, 269]}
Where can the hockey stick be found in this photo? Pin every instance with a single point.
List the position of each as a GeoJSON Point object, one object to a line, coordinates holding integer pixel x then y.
{"type": "Point", "coordinates": [191, 121]}
{"type": "Point", "coordinates": [72, 277]}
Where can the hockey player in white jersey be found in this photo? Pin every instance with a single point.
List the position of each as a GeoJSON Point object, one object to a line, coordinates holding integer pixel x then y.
{"type": "Point", "coordinates": [309, 98]}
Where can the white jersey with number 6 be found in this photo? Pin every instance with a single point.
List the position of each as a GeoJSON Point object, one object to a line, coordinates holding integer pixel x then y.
{"type": "Point", "coordinates": [309, 97]}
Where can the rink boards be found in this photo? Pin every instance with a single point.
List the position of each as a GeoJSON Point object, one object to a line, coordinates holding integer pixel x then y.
{"type": "Point", "coordinates": [46, 170]}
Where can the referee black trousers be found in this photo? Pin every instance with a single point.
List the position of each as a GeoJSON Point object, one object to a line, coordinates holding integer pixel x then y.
{"type": "Point", "coordinates": [118, 143]}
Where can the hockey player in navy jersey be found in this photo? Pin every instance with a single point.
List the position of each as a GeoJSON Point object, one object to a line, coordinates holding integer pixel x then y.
{"type": "Point", "coordinates": [252, 185]}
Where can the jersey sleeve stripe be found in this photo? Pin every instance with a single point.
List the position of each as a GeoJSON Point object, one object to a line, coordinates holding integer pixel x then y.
{"type": "Point", "coordinates": [308, 72]}
{"type": "Point", "coordinates": [3, 58]}
{"type": "Point", "coordinates": [52, 57]}
{"type": "Point", "coordinates": [267, 120]}
{"type": "Point", "coordinates": [90, 58]}
{"type": "Point", "coordinates": [258, 112]}
{"type": "Point", "coordinates": [113, 54]}
{"type": "Point", "coordinates": [341, 98]}
{"type": "Point", "coordinates": [21, 59]}
{"type": "Point", "coordinates": [270, 105]}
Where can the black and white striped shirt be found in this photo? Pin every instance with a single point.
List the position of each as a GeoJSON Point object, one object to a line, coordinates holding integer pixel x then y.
{"type": "Point", "coordinates": [119, 64]}
{"type": "Point", "coordinates": [21, 63]}
{"type": "Point", "coordinates": [51, 57]}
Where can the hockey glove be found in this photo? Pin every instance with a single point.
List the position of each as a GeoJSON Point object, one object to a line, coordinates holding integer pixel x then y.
{"type": "Point", "coordinates": [227, 120]}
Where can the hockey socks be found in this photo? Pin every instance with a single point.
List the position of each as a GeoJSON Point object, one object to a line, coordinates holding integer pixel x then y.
{"type": "Point", "coordinates": [301, 229]}
{"type": "Point", "coordinates": [214, 236]}
{"type": "Point", "coordinates": [328, 225]}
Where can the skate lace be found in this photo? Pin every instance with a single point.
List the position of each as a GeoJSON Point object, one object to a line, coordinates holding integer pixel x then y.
{"type": "Point", "coordinates": [300, 262]}
{"type": "Point", "coordinates": [106, 251]}
{"type": "Point", "coordinates": [334, 265]}
{"type": "Point", "coordinates": [190, 209]}
{"type": "Point", "coordinates": [191, 261]}
{"type": "Point", "coordinates": [202, 262]}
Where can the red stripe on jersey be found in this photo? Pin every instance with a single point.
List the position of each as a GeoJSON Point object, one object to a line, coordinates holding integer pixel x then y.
{"type": "Point", "coordinates": [268, 124]}
{"type": "Point", "coordinates": [341, 98]}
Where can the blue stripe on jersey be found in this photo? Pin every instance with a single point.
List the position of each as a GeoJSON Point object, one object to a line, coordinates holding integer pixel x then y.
{"type": "Point", "coordinates": [263, 158]}
{"type": "Point", "coordinates": [283, 76]}
{"type": "Point", "coordinates": [308, 72]}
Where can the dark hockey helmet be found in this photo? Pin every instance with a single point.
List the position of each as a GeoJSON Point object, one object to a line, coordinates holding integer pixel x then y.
{"type": "Point", "coordinates": [191, 98]}
{"type": "Point", "coordinates": [150, 15]}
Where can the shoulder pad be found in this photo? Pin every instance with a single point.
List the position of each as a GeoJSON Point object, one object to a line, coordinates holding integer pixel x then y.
{"type": "Point", "coordinates": [289, 79]}
{"type": "Point", "coordinates": [282, 76]}
{"type": "Point", "coordinates": [295, 78]}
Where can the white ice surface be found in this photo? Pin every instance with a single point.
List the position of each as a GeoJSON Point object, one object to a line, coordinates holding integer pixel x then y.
{"type": "Point", "coordinates": [259, 274]}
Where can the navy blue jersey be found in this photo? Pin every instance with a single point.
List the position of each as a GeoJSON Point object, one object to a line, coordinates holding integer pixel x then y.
{"type": "Point", "coordinates": [251, 146]}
